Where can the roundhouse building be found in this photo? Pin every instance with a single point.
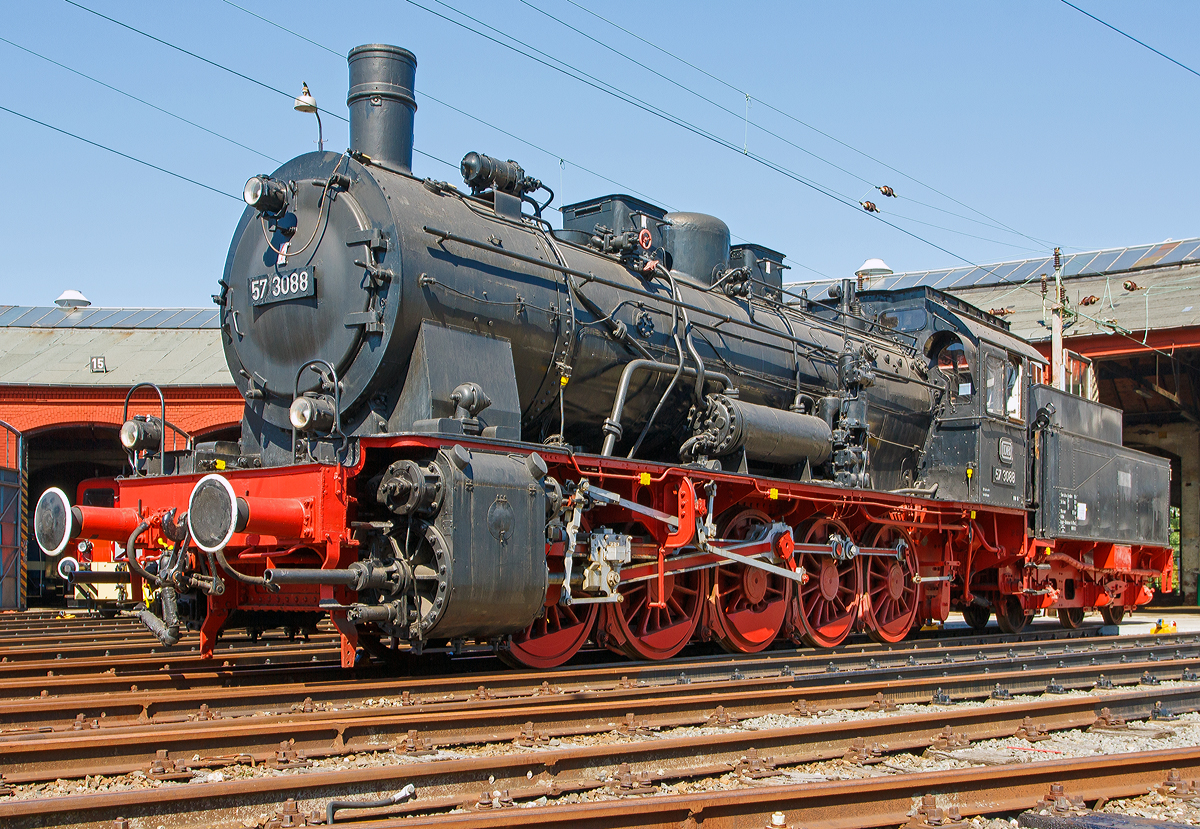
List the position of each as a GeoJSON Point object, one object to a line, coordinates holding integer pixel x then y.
{"type": "Point", "coordinates": [64, 377]}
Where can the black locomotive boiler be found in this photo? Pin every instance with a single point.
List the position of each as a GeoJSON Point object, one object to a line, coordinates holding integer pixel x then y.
{"type": "Point", "coordinates": [465, 425]}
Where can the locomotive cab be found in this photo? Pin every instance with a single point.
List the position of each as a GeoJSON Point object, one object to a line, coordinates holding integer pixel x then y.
{"type": "Point", "coordinates": [976, 443]}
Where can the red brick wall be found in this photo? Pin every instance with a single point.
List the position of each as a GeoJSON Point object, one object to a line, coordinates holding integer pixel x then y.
{"type": "Point", "coordinates": [30, 409]}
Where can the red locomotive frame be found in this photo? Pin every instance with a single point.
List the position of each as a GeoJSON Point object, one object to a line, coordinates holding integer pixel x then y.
{"type": "Point", "coordinates": [862, 560]}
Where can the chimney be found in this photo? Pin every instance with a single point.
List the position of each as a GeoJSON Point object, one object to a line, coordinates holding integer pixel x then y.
{"type": "Point", "coordinates": [382, 104]}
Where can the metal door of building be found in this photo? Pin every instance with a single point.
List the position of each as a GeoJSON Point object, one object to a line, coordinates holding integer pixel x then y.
{"type": "Point", "coordinates": [12, 519]}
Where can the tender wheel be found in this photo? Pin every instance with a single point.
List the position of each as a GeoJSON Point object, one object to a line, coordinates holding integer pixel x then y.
{"type": "Point", "coordinates": [889, 595]}
{"type": "Point", "coordinates": [747, 605]}
{"type": "Point", "coordinates": [1010, 615]}
{"type": "Point", "coordinates": [825, 609]}
{"type": "Point", "coordinates": [1112, 614]}
{"type": "Point", "coordinates": [1070, 617]}
{"type": "Point", "coordinates": [552, 640]}
{"type": "Point", "coordinates": [641, 631]}
{"type": "Point", "coordinates": [977, 615]}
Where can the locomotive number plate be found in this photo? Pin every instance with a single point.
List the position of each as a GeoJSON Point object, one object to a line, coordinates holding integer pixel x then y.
{"type": "Point", "coordinates": [1004, 477]}
{"type": "Point", "coordinates": [278, 287]}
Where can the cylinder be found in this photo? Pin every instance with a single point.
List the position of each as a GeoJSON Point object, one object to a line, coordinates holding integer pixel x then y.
{"type": "Point", "coordinates": [768, 435]}
{"type": "Point", "coordinates": [382, 103]}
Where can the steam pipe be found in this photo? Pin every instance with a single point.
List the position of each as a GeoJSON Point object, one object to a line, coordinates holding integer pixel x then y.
{"type": "Point", "coordinates": [131, 554]}
{"type": "Point", "coordinates": [612, 426]}
{"type": "Point", "coordinates": [240, 576]}
{"type": "Point", "coordinates": [310, 575]}
{"type": "Point", "coordinates": [360, 575]}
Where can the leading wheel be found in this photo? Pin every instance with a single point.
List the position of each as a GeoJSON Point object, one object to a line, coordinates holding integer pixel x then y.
{"type": "Point", "coordinates": [1112, 614]}
{"type": "Point", "coordinates": [825, 610]}
{"type": "Point", "coordinates": [1010, 615]}
{"type": "Point", "coordinates": [977, 615]}
{"type": "Point", "coordinates": [748, 605]}
{"type": "Point", "coordinates": [889, 592]}
{"type": "Point", "coordinates": [1070, 617]}
{"type": "Point", "coordinates": [642, 626]}
{"type": "Point", "coordinates": [553, 639]}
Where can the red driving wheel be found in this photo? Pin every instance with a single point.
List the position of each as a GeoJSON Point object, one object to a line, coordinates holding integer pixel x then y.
{"type": "Point", "coordinates": [748, 605]}
{"type": "Point", "coordinates": [643, 627]}
{"type": "Point", "coordinates": [825, 609]}
{"type": "Point", "coordinates": [553, 639]}
{"type": "Point", "coordinates": [890, 596]}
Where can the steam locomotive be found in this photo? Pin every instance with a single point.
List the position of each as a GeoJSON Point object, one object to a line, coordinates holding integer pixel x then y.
{"type": "Point", "coordinates": [463, 425]}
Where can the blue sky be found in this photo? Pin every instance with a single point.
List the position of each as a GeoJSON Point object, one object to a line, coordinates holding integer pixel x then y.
{"type": "Point", "coordinates": [1029, 113]}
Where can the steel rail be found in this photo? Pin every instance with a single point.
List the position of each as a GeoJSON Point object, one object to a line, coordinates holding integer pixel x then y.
{"type": "Point", "coordinates": [117, 660]}
{"type": "Point", "coordinates": [972, 677]}
{"type": "Point", "coordinates": [41, 757]}
{"type": "Point", "coordinates": [211, 673]}
{"type": "Point", "coordinates": [849, 804]}
{"type": "Point", "coordinates": [451, 783]}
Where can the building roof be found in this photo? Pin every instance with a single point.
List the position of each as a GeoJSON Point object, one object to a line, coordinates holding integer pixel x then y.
{"type": "Point", "coordinates": [167, 346]}
{"type": "Point", "coordinates": [24, 316]}
{"type": "Point", "coordinates": [1091, 263]}
{"type": "Point", "coordinates": [1164, 276]}
{"type": "Point", "coordinates": [1158, 298]}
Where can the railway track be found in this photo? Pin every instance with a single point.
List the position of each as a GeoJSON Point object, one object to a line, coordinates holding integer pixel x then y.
{"type": "Point", "coordinates": [962, 670]}
{"type": "Point", "coordinates": [629, 765]}
{"type": "Point", "coordinates": [283, 725]}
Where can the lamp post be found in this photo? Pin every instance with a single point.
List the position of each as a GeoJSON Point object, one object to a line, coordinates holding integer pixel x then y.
{"type": "Point", "coordinates": [307, 103]}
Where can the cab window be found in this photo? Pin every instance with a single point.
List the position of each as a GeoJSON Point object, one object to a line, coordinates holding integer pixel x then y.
{"type": "Point", "coordinates": [1014, 381]}
{"type": "Point", "coordinates": [952, 362]}
{"type": "Point", "coordinates": [1005, 386]}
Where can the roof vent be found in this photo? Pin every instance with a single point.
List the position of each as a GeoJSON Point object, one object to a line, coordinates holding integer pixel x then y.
{"type": "Point", "coordinates": [72, 299]}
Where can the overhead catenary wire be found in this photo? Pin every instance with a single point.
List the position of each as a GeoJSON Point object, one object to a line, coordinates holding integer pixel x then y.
{"type": "Point", "coordinates": [231, 71]}
{"type": "Point", "coordinates": [805, 124]}
{"type": "Point", "coordinates": [143, 101]}
{"type": "Point", "coordinates": [342, 118]}
{"type": "Point", "coordinates": [264, 85]}
{"type": "Point", "coordinates": [570, 72]}
{"type": "Point", "coordinates": [106, 148]}
{"type": "Point", "coordinates": [288, 95]}
{"type": "Point", "coordinates": [560, 66]}
{"type": "Point", "coordinates": [425, 94]}
{"type": "Point", "coordinates": [200, 58]}
{"type": "Point", "coordinates": [746, 120]}
{"type": "Point", "coordinates": [464, 113]}
{"type": "Point", "coordinates": [1123, 33]}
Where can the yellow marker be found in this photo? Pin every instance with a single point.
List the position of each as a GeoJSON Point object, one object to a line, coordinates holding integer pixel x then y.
{"type": "Point", "coordinates": [970, 472]}
{"type": "Point", "coordinates": [562, 381]}
{"type": "Point", "coordinates": [220, 464]}
{"type": "Point", "coordinates": [644, 478]}
{"type": "Point", "coordinates": [773, 494]}
{"type": "Point", "coordinates": [972, 515]}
